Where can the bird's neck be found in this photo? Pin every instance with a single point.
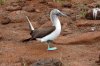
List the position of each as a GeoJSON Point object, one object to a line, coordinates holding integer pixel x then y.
{"type": "Point", "coordinates": [55, 21]}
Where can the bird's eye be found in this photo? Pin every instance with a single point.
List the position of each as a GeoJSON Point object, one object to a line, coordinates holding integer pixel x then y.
{"type": "Point", "coordinates": [58, 14]}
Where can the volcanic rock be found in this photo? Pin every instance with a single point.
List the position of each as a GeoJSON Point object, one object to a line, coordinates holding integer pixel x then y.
{"type": "Point", "coordinates": [43, 1]}
{"type": "Point", "coordinates": [68, 11]}
{"type": "Point", "coordinates": [82, 1]}
{"type": "Point", "coordinates": [54, 4]}
{"type": "Point", "coordinates": [4, 20]}
{"type": "Point", "coordinates": [48, 62]}
{"type": "Point", "coordinates": [92, 5]}
{"type": "Point", "coordinates": [19, 16]}
{"type": "Point", "coordinates": [67, 5]}
{"type": "Point", "coordinates": [13, 8]}
{"type": "Point", "coordinates": [98, 62]}
{"type": "Point", "coordinates": [29, 8]}
{"type": "Point", "coordinates": [19, 2]}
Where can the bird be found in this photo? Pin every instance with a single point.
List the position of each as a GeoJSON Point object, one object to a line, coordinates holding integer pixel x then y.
{"type": "Point", "coordinates": [95, 12]}
{"type": "Point", "coordinates": [48, 34]}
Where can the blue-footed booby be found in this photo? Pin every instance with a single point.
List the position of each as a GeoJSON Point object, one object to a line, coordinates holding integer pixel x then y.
{"type": "Point", "coordinates": [47, 34]}
{"type": "Point", "coordinates": [95, 12]}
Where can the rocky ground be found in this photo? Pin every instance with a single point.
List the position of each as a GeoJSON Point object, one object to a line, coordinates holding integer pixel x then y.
{"type": "Point", "coordinates": [78, 44]}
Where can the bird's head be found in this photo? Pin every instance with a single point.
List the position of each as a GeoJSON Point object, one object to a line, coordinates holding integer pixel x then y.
{"type": "Point", "coordinates": [57, 12]}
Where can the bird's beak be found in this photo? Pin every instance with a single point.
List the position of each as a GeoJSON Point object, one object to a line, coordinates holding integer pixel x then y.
{"type": "Point", "coordinates": [64, 14]}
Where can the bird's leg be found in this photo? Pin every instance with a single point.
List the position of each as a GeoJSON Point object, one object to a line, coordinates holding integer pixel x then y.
{"type": "Point", "coordinates": [50, 45]}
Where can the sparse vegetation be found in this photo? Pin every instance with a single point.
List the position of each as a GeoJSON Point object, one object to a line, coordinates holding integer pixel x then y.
{"type": "Point", "coordinates": [83, 10]}
{"type": "Point", "coordinates": [57, 0]}
{"type": "Point", "coordinates": [82, 14]}
{"type": "Point", "coordinates": [2, 2]}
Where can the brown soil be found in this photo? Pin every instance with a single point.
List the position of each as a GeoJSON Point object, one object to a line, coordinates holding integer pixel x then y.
{"type": "Point", "coordinates": [77, 45]}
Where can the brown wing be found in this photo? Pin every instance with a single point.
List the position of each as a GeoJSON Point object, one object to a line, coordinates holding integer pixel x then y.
{"type": "Point", "coordinates": [39, 33]}
{"type": "Point", "coordinates": [98, 15]}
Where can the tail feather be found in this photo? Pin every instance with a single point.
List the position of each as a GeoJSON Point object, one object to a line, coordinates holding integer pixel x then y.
{"type": "Point", "coordinates": [30, 24]}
